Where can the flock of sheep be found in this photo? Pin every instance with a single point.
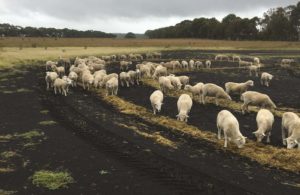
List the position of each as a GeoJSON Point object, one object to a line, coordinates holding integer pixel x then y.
{"type": "Point", "coordinates": [91, 72]}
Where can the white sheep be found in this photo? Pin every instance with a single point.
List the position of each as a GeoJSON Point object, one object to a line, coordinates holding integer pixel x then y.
{"type": "Point", "coordinates": [160, 71]}
{"type": "Point", "coordinates": [87, 80]}
{"type": "Point", "coordinates": [112, 86]}
{"type": "Point", "coordinates": [124, 79]}
{"type": "Point", "coordinates": [236, 58]}
{"type": "Point", "coordinates": [256, 99]}
{"type": "Point", "coordinates": [253, 69]}
{"type": "Point", "coordinates": [98, 78]}
{"type": "Point", "coordinates": [61, 85]}
{"type": "Point", "coordinates": [74, 77]}
{"type": "Point", "coordinates": [264, 120]}
{"type": "Point", "coordinates": [145, 71]}
{"type": "Point", "coordinates": [196, 90]}
{"type": "Point", "coordinates": [184, 105]}
{"type": "Point", "coordinates": [245, 63]}
{"type": "Point", "coordinates": [107, 78]}
{"type": "Point", "coordinates": [208, 64]}
{"type": "Point", "coordinates": [265, 79]}
{"type": "Point", "coordinates": [49, 65]}
{"type": "Point", "coordinates": [156, 99]}
{"type": "Point", "coordinates": [50, 78]}
{"type": "Point", "coordinates": [165, 84]}
{"type": "Point", "coordinates": [288, 125]}
{"type": "Point", "coordinates": [124, 65]}
{"type": "Point", "coordinates": [175, 81]}
{"type": "Point", "coordinates": [221, 57]}
{"type": "Point", "coordinates": [227, 123]}
{"type": "Point", "coordinates": [191, 64]}
{"type": "Point", "coordinates": [60, 70]}
{"type": "Point", "coordinates": [184, 64]}
{"type": "Point", "coordinates": [213, 90]}
{"type": "Point", "coordinates": [286, 62]}
{"type": "Point", "coordinates": [198, 65]}
{"type": "Point", "coordinates": [238, 88]}
{"type": "Point", "coordinates": [256, 60]}
{"type": "Point", "coordinates": [134, 76]}
{"type": "Point", "coordinates": [184, 80]}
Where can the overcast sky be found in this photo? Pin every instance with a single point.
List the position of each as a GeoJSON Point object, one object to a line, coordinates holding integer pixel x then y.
{"type": "Point", "coordinates": [125, 15]}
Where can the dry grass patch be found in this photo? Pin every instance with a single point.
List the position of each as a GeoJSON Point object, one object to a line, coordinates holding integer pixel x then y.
{"type": "Point", "coordinates": [263, 154]}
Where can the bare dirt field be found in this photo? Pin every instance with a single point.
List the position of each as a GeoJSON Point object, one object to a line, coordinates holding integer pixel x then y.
{"type": "Point", "coordinates": [110, 152]}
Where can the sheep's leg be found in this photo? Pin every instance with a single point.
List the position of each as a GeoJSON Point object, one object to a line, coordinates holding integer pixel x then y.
{"type": "Point", "coordinates": [154, 110]}
{"type": "Point", "coordinates": [219, 132]}
{"type": "Point", "coordinates": [203, 99]}
{"type": "Point", "coordinates": [65, 93]}
{"type": "Point", "coordinates": [55, 90]}
{"type": "Point", "coordinates": [47, 86]}
{"type": "Point", "coordinates": [243, 108]}
{"type": "Point", "coordinates": [116, 92]}
{"type": "Point", "coordinates": [226, 140]}
{"type": "Point", "coordinates": [283, 136]}
{"type": "Point", "coordinates": [127, 83]}
{"type": "Point", "coordinates": [268, 137]}
{"type": "Point", "coordinates": [217, 101]}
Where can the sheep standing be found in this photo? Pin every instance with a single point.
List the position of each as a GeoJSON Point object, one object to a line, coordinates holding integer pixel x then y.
{"type": "Point", "coordinates": [256, 99]}
{"type": "Point", "coordinates": [49, 65]}
{"type": "Point", "coordinates": [213, 90]}
{"type": "Point", "coordinates": [253, 69]}
{"type": "Point", "coordinates": [265, 79]}
{"type": "Point", "coordinates": [184, 80]}
{"type": "Point", "coordinates": [208, 64]}
{"type": "Point", "coordinates": [124, 65]}
{"type": "Point", "coordinates": [288, 125]}
{"type": "Point", "coordinates": [74, 77]}
{"type": "Point", "coordinates": [191, 64]}
{"type": "Point", "coordinates": [165, 84]}
{"type": "Point", "coordinates": [198, 65]}
{"type": "Point", "coordinates": [156, 99]}
{"type": "Point", "coordinates": [98, 78]}
{"type": "Point", "coordinates": [87, 80]}
{"type": "Point", "coordinates": [61, 85]}
{"type": "Point", "coordinates": [221, 57]}
{"type": "Point", "coordinates": [175, 81]}
{"type": "Point", "coordinates": [145, 71]}
{"type": "Point", "coordinates": [50, 78]}
{"type": "Point", "coordinates": [227, 123]}
{"type": "Point", "coordinates": [184, 64]}
{"type": "Point", "coordinates": [238, 88]}
{"type": "Point", "coordinates": [196, 90]}
{"type": "Point", "coordinates": [184, 105]}
{"type": "Point", "coordinates": [124, 79]}
{"type": "Point", "coordinates": [264, 120]}
{"type": "Point", "coordinates": [160, 71]}
{"type": "Point", "coordinates": [112, 86]}
{"type": "Point", "coordinates": [59, 70]}
{"type": "Point", "coordinates": [256, 60]}
{"type": "Point", "coordinates": [286, 62]}
{"type": "Point", "coordinates": [244, 63]}
{"type": "Point", "coordinates": [236, 58]}
{"type": "Point", "coordinates": [134, 77]}
{"type": "Point", "coordinates": [107, 78]}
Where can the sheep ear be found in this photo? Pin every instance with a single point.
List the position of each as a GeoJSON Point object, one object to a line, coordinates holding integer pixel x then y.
{"type": "Point", "coordinates": [296, 141]}
{"type": "Point", "coordinates": [245, 137]}
{"type": "Point", "coordinates": [263, 134]}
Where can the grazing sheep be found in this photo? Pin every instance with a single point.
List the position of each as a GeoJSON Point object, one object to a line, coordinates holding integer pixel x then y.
{"type": "Point", "coordinates": [107, 78]}
{"type": "Point", "coordinates": [160, 71]}
{"type": "Point", "coordinates": [208, 64]}
{"type": "Point", "coordinates": [294, 135]}
{"type": "Point", "coordinates": [256, 99]}
{"type": "Point", "coordinates": [184, 80]}
{"type": "Point", "coordinates": [165, 84]}
{"type": "Point", "coordinates": [124, 78]}
{"type": "Point", "coordinates": [221, 57]}
{"type": "Point", "coordinates": [198, 65]}
{"type": "Point", "coordinates": [191, 64]}
{"type": "Point", "coordinates": [245, 63]}
{"type": "Point", "coordinates": [195, 90]}
{"type": "Point", "coordinates": [139, 57]}
{"type": "Point", "coordinates": [265, 79]}
{"type": "Point", "coordinates": [264, 120]}
{"type": "Point", "coordinates": [184, 64]}
{"type": "Point", "coordinates": [74, 77]}
{"type": "Point", "coordinates": [238, 88]}
{"type": "Point", "coordinates": [124, 65]}
{"type": "Point", "coordinates": [236, 58]}
{"type": "Point", "coordinates": [145, 71]}
{"type": "Point", "coordinates": [213, 90]}
{"type": "Point", "coordinates": [133, 75]}
{"type": "Point", "coordinates": [156, 55]}
{"type": "Point", "coordinates": [59, 70]}
{"type": "Point", "coordinates": [256, 60]}
{"type": "Point", "coordinates": [156, 99]}
{"type": "Point", "coordinates": [175, 81]}
{"type": "Point", "coordinates": [184, 105]}
{"type": "Point", "coordinates": [288, 126]}
{"type": "Point", "coordinates": [176, 64]}
{"type": "Point", "coordinates": [87, 80]}
{"type": "Point", "coordinates": [227, 123]}
{"type": "Point", "coordinates": [112, 86]}
{"type": "Point", "coordinates": [253, 69]}
{"type": "Point", "coordinates": [98, 78]}
{"type": "Point", "coordinates": [286, 62]}
{"type": "Point", "coordinates": [50, 78]}
{"type": "Point", "coordinates": [61, 85]}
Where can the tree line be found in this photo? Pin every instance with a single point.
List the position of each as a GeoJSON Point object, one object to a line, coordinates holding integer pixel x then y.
{"type": "Point", "coordinates": [18, 31]}
{"type": "Point", "coordinates": [282, 23]}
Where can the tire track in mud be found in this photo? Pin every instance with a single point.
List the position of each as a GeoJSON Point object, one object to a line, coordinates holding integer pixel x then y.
{"type": "Point", "coordinates": [168, 172]}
